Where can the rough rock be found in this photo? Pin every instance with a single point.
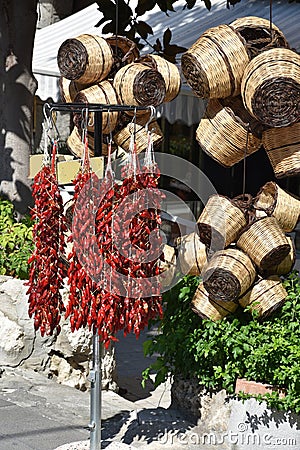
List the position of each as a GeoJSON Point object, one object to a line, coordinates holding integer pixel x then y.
{"type": "Point", "coordinates": [66, 357]}
{"type": "Point", "coordinates": [210, 409]}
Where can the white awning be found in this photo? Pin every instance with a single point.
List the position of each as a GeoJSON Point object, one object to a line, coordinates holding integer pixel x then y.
{"type": "Point", "coordinates": [186, 27]}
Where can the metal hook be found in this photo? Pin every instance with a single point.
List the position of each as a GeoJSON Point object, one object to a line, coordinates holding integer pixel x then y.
{"type": "Point", "coordinates": [108, 126]}
{"type": "Point", "coordinates": [84, 122]}
{"type": "Point", "coordinates": [152, 113]}
{"type": "Point", "coordinates": [47, 111]}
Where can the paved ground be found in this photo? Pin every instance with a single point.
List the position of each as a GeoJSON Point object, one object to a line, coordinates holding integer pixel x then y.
{"type": "Point", "coordinates": [39, 414]}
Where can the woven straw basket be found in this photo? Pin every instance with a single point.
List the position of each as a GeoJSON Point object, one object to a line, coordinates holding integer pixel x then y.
{"type": "Point", "coordinates": [220, 222]}
{"type": "Point", "coordinates": [122, 137]}
{"type": "Point", "coordinates": [69, 89]}
{"type": "Point", "coordinates": [228, 275]}
{"type": "Point", "coordinates": [260, 34]}
{"type": "Point", "coordinates": [264, 242]}
{"type": "Point", "coordinates": [168, 70]}
{"type": "Point", "coordinates": [191, 254]}
{"type": "Point", "coordinates": [214, 65]}
{"type": "Point", "coordinates": [283, 149]}
{"type": "Point", "coordinates": [87, 59]}
{"type": "Point", "coordinates": [168, 266]}
{"type": "Point", "coordinates": [287, 264]}
{"type": "Point", "coordinates": [272, 79]}
{"type": "Point", "coordinates": [275, 201]}
{"type": "Point", "coordinates": [124, 52]}
{"type": "Point", "coordinates": [137, 84]}
{"type": "Point", "coordinates": [207, 308]}
{"type": "Point", "coordinates": [266, 295]}
{"type": "Point", "coordinates": [75, 145]}
{"type": "Point", "coordinates": [223, 132]}
{"type": "Point", "coordinates": [104, 94]}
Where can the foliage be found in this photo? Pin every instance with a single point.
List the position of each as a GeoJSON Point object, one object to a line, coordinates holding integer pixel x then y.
{"type": "Point", "coordinates": [15, 242]}
{"type": "Point", "coordinates": [217, 353]}
{"type": "Point", "coordinates": [118, 15]}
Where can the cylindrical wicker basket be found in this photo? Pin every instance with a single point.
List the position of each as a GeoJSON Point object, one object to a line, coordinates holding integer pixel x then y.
{"type": "Point", "coordinates": [264, 242]}
{"type": "Point", "coordinates": [260, 34]}
{"type": "Point", "coordinates": [125, 51]}
{"type": "Point", "coordinates": [122, 137]}
{"type": "Point", "coordinates": [168, 70]}
{"type": "Point", "coordinates": [137, 84]}
{"type": "Point", "coordinates": [228, 133]}
{"type": "Point", "coordinates": [207, 308]}
{"type": "Point", "coordinates": [69, 89]}
{"type": "Point", "coordinates": [283, 149]}
{"type": "Point", "coordinates": [87, 59]}
{"type": "Point", "coordinates": [214, 65]}
{"type": "Point", "coordinates": [75, 145]}
{"type": "Point", "coordinates": [220, 222]}
{"type": "Point", "coordinates": [271, 87]}
{"type": "Point", "coordinates": [168, 266]}
{"type": "Point", "coordinates": [191, 254]}
{"type": "Point", "coordinates": [287, 264]}
{"type": "Point", "coordinates": [228, 274]}
{"type": "Point", "coordinates": [275, 201]}
{"type": "Point", "coordinates": [104, 94]}
{"type": "Point", "coordinates": [266, 295]}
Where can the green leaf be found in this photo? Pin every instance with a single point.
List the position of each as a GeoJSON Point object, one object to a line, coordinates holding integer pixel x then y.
{"type": "Point", "coordinates": [167, 37]}
{"type": "Point", "coordinates": [143, 29]}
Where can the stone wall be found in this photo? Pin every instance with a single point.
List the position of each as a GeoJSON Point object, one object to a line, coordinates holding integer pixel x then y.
{"type": "Point", "coordinates": [228, 423]}
{"type": "Point", "coordinates": [66, 357]}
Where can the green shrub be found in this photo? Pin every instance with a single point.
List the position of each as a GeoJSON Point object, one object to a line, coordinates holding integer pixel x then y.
{"type": "Point", "coordinates": [15, 242]}
{"type": "Point", "coordinates": [239, 346]}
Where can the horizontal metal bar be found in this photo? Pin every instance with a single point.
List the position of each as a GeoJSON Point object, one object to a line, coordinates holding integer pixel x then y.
{"type": "Point", "coordinates": [95, 107]}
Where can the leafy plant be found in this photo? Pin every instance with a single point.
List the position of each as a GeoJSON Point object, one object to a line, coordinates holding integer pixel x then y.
{"type": "Point", "coordinates": [239, 346]}
{"type": "Point", "coordinates": [15, 242]}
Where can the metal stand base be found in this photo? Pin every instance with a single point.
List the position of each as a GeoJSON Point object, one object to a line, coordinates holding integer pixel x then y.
{"type": "Point", "coordinates": [95, 397]}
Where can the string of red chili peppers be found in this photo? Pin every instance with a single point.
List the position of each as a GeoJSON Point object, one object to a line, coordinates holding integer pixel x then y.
{"type": "Point", "coordinates": [46, 269]}
{"type": "Point", "coordinates": [133, 311]}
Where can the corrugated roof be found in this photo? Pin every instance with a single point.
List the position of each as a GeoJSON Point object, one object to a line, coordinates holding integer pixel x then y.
{"type": "Point", "coordinates": [186, 26]}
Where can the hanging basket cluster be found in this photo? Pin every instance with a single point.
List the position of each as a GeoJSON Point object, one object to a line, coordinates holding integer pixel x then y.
{"type": "Point", "coordinates": [110, 71]}
{"type": "Point", "coordinates": [248, 250]}
{"type": "Point", "coordinates": [251, 79]}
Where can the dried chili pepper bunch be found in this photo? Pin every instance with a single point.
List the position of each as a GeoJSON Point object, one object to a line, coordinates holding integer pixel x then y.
{"type": "Point", "coordinates": [47, 271]}
{"type": "Point", "coordinates": [123, 233]}
{"type": "Point", "coordinates": [82, 258]}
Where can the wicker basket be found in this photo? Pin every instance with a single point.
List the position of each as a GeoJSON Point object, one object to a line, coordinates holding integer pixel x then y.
{"type": "Point", "coordinates": [220, 222]}
{"type": "Point", "coordinates": [124, 52]}
{"type": "Point", "coordinates": [87, 59]}
{"type": "Point", "coordinates": [264, 242]}
{"type": "Point", "coordinates": [266, 295]}
{"type": "Point", "coordinates": [228, 275]}
{"type": "Point", "coordinates": [222, 132]}
{"type": "Point", "coordinates": [75, 145]}
{"type": "Point", "coordinates": [69, 89]}
{"type": "Point", "coordinates": [277, 202]}
{"type": "Point", "coordinates": [168, 70]}
{"type": "Point", "coordinates": [104, 94]}
{"type": "Point", "coordinates": [283, 149]}
{"type": "Point", "coordinates": [168, 266]}
{"type": "Point", "coordinates": [286, 265]}
{"type": "Point", "coordinates": [122, 137]}
{"type": "Point", "coordinates": [137, 84]}
{"type": "Point", "coordinates": [191, 254]}
{"type": "Point", "coordinates": [207, 308]}
{"type": "Point", "coordinates": [260, 34]}
{"type": "Point", "coordinates": [271, 87]}
{"type": "Point", "coordinates": [214, 65]}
